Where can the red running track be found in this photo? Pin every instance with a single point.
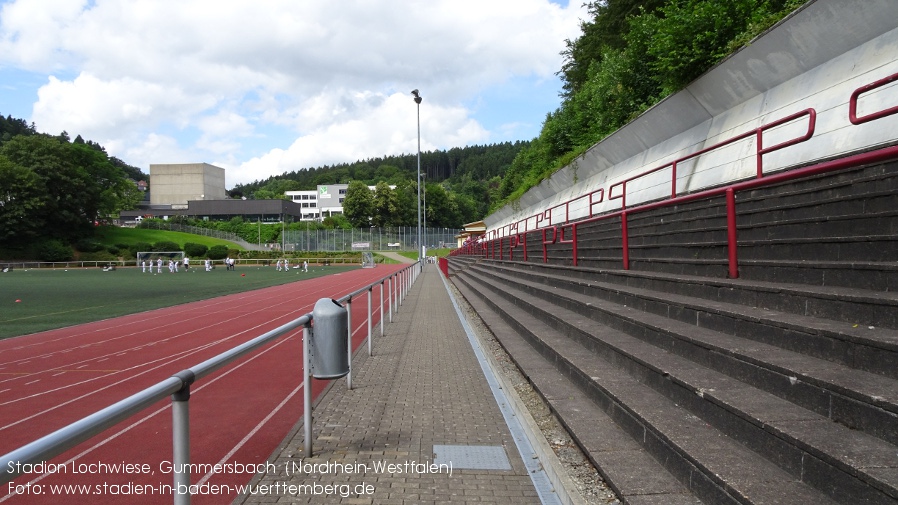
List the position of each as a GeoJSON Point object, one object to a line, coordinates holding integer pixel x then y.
{"type": "Point", "coordinates": [238, 415]}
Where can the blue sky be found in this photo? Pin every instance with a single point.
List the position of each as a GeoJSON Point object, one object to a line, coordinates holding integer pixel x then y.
{"type": "Point", "coordinates": [262, 88]}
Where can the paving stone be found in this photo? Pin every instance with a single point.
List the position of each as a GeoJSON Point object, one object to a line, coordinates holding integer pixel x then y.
{"type": "Point", "coordinates": [423, 387]}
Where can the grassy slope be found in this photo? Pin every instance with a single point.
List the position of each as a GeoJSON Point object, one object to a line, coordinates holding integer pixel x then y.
{"type": "Point", "coordinates": [111, 235]}
{"type": "Point", "coordinates": [440, 253]}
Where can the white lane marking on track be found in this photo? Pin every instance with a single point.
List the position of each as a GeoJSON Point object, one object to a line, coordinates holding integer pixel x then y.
{"type": "Point", "coordinates": [150, 416]}
{"type": "Point", "coordinates": [183, 354]}
{"type": "Point", "coordinates": [178, 355]}
{"type": "Point", "coordinates": [169, 321]}
{"type": "Point", "coordinates": [196, 350]}
{"type": "Point", "coordinates": [252, 432]}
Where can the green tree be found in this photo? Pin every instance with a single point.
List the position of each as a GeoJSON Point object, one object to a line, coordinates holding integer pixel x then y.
{"type": "Point", "coordinates": [68, 210]}
{"type": "Point", "coordinates": [358, 204]}
{"type": "Point", "coordinates": [384, 205]}
{"type": "Point", "coordinates": [406, 193]}
{"type": "Point", "coordinates": [605, 31]}
{"type": "Point", "coordinates": [442, 211]}
{"type": "Point", "coordinates": [336, 221]}
{"type": "Point", "coordinates": [22, 195]}
{"type": "Point", "coordinates": [265, 194]}
{"type": "Point", "coordinates": [692, 35]}
{"type": "Point", "coordinates": [110, 191]}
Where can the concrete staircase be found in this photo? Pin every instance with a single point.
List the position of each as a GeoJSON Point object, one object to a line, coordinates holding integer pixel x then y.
{"type": "Point", "coordinates": [684, 386]}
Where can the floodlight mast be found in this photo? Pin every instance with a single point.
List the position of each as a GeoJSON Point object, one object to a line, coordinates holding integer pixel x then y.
{"type": "Point", "coordinates": [420, 242]}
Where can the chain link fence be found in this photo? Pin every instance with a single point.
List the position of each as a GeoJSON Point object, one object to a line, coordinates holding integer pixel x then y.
{"type": "Point", "coordinates": [403, 238]}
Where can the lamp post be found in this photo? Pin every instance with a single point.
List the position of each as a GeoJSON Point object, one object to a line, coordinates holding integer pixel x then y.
{"type": "Point", "coordinates": [424, 214]}
{"type": "Point", "coordinates": [420, 243]}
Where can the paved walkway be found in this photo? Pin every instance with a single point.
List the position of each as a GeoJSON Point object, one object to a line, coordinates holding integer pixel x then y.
{"type": "Point", "coordinates": [421, 404]}
{"type": "Point", "coordinates": [396, 256]}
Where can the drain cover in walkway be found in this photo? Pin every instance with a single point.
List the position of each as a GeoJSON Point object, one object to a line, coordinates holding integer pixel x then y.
{"type": "Point", "coordinates": [472, 457]}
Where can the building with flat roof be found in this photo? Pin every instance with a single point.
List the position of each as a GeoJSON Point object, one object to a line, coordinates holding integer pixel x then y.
{"type": "Point", "coordinates": [176, 184]}
{"type": "Point", "coordinates": [308, 202]}
{"type": "Point", "coordinates": [326, 201]}
{"type": "Point", "coordinates": [330, 199]}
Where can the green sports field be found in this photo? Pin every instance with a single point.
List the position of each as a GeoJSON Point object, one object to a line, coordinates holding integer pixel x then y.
{"type": "Point", "coordinates": [38, 300]}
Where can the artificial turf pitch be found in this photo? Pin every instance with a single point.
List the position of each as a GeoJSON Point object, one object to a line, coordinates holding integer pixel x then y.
{"type": "Point", "coordinates": [38, 300]}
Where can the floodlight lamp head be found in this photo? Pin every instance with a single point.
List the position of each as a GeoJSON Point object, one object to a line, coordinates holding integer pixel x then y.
{"type": "Point", "coordinates": [417, 96]}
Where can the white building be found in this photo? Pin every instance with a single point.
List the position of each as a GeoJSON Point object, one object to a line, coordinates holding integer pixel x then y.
{"type": "Point", "coordinates": [326, 201]}
{"type": "Point", "coordinates": [317, 205]}
{"type": "Point", "coordinates": [309, 202]}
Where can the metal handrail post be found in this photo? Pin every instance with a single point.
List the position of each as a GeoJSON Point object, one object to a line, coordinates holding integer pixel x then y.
{"type": "Point", "coordinates": [381, 308]}
{"type": "Point", "coordinates": [370, 317]}
{"type": "Point", "coordinates": [307, 389]}
{"type": "Point", "coordinates": [732, 237]}
{"type": "Point", "coordinates": [349, 337]}
{"type": "Point", "coordinates": [390, 295]}
{"type": "Point", "coordinates": [180, 409]}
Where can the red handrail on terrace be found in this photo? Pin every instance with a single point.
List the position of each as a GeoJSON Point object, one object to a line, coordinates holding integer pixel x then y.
{"type": "Point", "coordinates": [759, 152]}
{"type": "Point", "coordinates": [728, 191]}
{"type": "Point", "coordinates": [852, 103]}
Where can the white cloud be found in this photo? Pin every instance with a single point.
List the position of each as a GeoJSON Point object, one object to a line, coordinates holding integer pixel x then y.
{"type": "Point", "coordinates": [217, 77]}
{"type": "Point", "coordinates": [364, 136]}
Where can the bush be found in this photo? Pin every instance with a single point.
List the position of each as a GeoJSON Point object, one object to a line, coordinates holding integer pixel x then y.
{"type": "Point", "coordinates": [195, 250]}
{"type": "Point", "coordinates": [54, 250]}
{"type": "Point", "coordinates": [98, 256]}
{"type": "Point", "coordinates": [141, 247]}
{"type": "Point", "coordinates": [217, 252]}
{"type": "Point", "coordinates": [88, 245]}
{"type": "Point", "coordinates": [115, 251]}
{"type": "Point", "coordinates": [165, 245]}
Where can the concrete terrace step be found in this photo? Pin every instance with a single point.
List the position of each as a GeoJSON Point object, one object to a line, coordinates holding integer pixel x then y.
{"type": "Point", "coordinates": [872, 275]}
{"type": "Point", "coordinates": [825, 188]}
{"type": "Point", "coordinates": [850, 396]}
{"type": "Point", "coordinates": [714, 467]}
{"type": "Point", "coordinates": [875, 275]}
{"type": "Point", "coordinates": [863, 307]}
{"type": "Point", "coordinates": [797, 439]}
{"type": "Point", "coordinates": [625, 465]}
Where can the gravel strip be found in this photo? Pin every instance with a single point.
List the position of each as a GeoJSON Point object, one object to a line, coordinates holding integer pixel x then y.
{"type": "Point", "coordinates": [590, 485]}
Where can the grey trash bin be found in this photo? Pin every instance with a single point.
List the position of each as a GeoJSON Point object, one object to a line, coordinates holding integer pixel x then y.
{"type": "Point", "coordinates": [328, 346]}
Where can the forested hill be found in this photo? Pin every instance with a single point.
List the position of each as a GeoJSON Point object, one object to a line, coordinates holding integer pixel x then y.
{"type": "Point", "coordinates": [472, 173]}
{"type": "Point", "coordinates": [479, 162]}
{"type": "Point", "coordinates": [11, 127]}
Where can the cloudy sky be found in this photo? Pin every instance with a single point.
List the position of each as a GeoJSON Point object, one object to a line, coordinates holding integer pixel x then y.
{"type": "Point", "coordinates": [269, 86]}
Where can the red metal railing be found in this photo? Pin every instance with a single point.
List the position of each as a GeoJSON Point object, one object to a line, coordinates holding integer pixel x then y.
{"type": "Point", "coordinates": [759, 152]}
{"type": "Point", "coordinates": [553, 233]}
{"type": "Point", "coordinates": [852, 104]}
